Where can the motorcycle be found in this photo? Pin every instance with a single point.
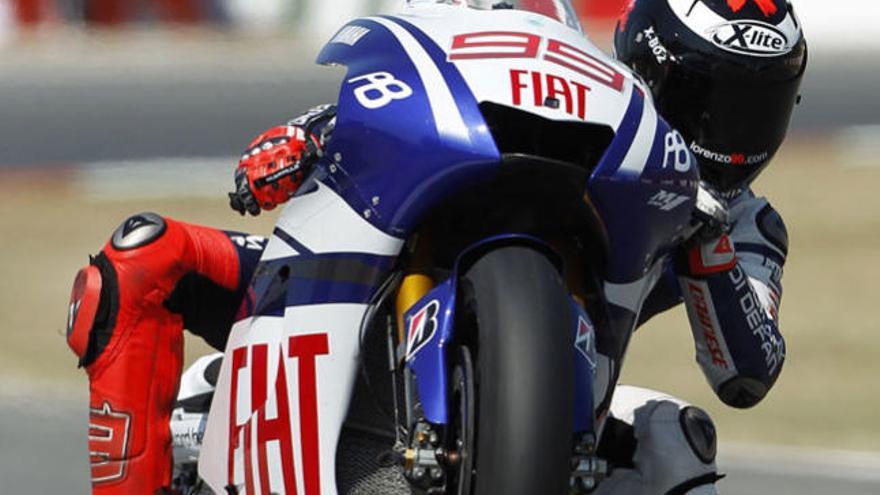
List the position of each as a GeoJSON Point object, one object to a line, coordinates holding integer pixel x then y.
{"type": "Point", "coordinates": [470, 254]}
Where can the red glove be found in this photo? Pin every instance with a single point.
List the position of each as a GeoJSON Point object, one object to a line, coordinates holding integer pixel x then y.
{"type": "Point", "coordinates": [270, 170]}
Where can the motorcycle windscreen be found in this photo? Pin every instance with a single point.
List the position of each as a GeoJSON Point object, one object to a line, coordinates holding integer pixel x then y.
{"type": "Point", "coordinates": [561, 10]}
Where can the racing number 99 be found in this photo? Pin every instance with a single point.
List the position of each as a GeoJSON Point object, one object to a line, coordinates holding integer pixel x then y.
{"type": "Point", "coordinates": [508, 44]}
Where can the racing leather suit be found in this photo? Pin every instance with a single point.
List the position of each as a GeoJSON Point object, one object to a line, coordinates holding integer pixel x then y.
{"type": "Point", "coordinates": [128, 310]}
{"type": "Point", "coordinates": [157, 276]}
{"type": "Point", "coordinates": [660, 444]}
{"type": "Point", "coordinates": [732, 288]}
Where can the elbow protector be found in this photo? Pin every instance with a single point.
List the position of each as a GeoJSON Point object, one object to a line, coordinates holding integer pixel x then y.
{"type": "Point", "coordinates": [742, 392]}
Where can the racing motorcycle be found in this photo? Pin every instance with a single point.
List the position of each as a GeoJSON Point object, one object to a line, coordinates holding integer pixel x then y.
{"type": "Point", "coordinates": [470, 254]}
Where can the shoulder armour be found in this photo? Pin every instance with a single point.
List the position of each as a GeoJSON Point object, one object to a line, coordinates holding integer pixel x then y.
{"type": "Point", "coordinates": [773, 229]}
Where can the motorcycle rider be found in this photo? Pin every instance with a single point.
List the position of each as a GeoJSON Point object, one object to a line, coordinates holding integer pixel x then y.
{"type": "Point", "coordinates": [153, 278]}
{"type": "Point", "coordinates": [728, 92]}
{"type": "Point", "coordinates": [726, 74]}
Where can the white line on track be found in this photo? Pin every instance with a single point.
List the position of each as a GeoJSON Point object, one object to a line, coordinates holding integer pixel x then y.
{"type": "Point", "coordinates": [817, 462]}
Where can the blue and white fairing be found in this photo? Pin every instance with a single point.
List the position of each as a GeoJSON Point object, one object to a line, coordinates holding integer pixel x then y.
{"type": "Point", "coordinates": [409, 134]}
{"type": "Point", "coordinates": [409, 130]}
{"type": "Point", "coordinates": [414, 148]}
{"type": "Point", "coordinates": [425, 145]}
{"type": "Point", "coordinates": [645, 189]}
{"type": "Point", "coordinates": [410, 103]}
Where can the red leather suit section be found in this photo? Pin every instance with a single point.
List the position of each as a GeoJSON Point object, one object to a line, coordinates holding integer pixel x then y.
{"type": "Point", "coordinates": [134, 381]}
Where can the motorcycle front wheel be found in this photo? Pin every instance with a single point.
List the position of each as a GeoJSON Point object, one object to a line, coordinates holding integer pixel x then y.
{"type": "Point", "coordinates": [524, 365]}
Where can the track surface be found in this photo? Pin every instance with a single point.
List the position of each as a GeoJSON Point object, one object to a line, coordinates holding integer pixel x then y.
{"type": "Point", "coordinates": [43, 451]}
{"type": "Point", "coordinates": [215, 110]}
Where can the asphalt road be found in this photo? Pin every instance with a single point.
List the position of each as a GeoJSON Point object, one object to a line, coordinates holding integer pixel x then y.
{"type": "Point", "coordinates": [132, 118]}
{"type": "Point", "coordinates": [43, 452]}
{"type": "Point", "coordinates": [214, 109]}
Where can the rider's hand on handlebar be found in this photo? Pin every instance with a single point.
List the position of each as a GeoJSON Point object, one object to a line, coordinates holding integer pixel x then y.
{"type": "Point", "coordinates": [710, 216]}
{"type": "Point", "coordinates": [709, 249]}
{"type": "Point", "coordinates": [271, 169]}
{"type": "Point", "coordinates": [274, 165]}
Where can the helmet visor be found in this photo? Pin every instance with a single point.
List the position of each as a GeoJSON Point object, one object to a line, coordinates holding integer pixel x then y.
{"type": "Point", "coordinates": [734, 126]}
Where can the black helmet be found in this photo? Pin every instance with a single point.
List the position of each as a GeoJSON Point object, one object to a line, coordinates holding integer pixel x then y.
{"type": "Point", "coordinates": [725, 73]}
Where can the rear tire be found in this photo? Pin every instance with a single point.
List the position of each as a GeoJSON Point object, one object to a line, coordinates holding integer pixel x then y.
{"type": "Point", "coordinates": [525, 371]}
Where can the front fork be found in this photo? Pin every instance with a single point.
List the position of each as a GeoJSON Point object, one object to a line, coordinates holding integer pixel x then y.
{"type": "Point", "coordinates": [417, 282]}
{"type": "Point", "coordinates": [423, 456]}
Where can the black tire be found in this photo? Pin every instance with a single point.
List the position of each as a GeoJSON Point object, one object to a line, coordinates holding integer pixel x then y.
{"type": "Point", "coordinates": [463, 427]}
{"type": "Point", "coordinates": [525, 367]}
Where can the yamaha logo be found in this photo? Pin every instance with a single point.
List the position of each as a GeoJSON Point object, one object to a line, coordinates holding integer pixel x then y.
{"type": "Point", "coordinates": [753, 38]}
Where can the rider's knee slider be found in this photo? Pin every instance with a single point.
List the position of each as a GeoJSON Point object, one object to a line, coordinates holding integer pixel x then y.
{"type": "Point", "coordinates": [94, 303]}
{"type": "Point", "coordinates": [94, 300]}
{"type": "Point", "coordinates": [699, 430]}
{"type": "Point", "coordinates": [85, 298]}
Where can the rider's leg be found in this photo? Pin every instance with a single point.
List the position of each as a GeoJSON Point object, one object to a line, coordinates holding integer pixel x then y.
{"type": "Point", "coordinates": [128, 309]}
{"type": "Point", "coordinates": [661, 446]}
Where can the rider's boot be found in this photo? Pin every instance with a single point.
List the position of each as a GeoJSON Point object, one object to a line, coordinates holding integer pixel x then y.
{"type": "Point", "coordinates": [128, 309]}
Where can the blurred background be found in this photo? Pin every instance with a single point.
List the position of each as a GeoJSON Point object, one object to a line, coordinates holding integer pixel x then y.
{"type": "Point", "coordinates": [111, 107]}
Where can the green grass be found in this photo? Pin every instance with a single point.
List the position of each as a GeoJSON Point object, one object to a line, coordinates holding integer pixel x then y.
{"type": "Point", "coordinates": [825, 396]}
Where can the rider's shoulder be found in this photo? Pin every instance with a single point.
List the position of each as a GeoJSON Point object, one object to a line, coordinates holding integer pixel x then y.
{"type": "Point", "coordinates": [753, 214]}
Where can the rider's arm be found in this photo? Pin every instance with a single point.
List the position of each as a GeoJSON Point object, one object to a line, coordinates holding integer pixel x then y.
{"type": "Point", "coordinates": [273, 167]}
{"type": "Point", "coordinates": [732, 290]}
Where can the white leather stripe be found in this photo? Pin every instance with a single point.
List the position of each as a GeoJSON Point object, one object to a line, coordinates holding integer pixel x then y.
{"type": "Point", "coordinates": [765, 297]}
{"type": "Point", "coordinates": [447, 116]}
{"type": "Point", "coordinates": [637, 157]}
